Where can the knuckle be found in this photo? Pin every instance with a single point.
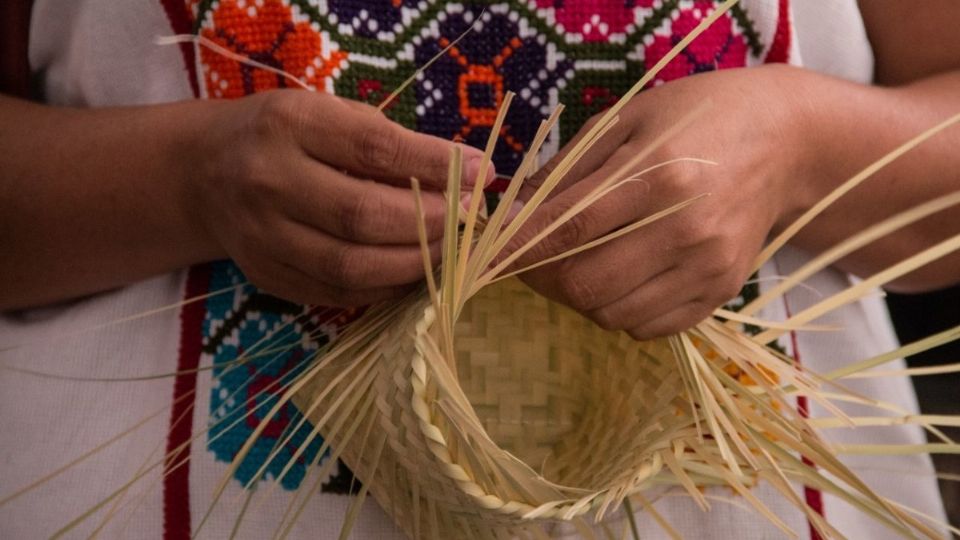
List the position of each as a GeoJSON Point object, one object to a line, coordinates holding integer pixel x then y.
{"type": "Point", "coordinates": [347, 269]}
{"type": "Point", "coordinates": [577, 292]}
{"type": "Point", "coordinates": [698, 231]}
{"type": "Point", "coordinates": [719, 260]}
{"type": "Point", "coordinates": [728, 288]}
{"type": "Point", "coordinates": [361, 217]}
{"type": "Point", "coordinates": [337, 297]}
{"type": "Point", "coordinates": [255, 179]}
{"type": "Point", "coordinates": [578, 228]}
{"type": "Point", "coordinates": [641, 333]}
{"type": "Point", "coordinates": [697, 311]}
{"type": "Point", "coordinates": [572, 233]}
{"type": "Point", "coordinates": [682, 178]}
{"type": "Point", "coordinates": [277, 112]}
{"type": "Point", "coordinates": [380, 148]}
{"type": "Point", "coordinates": [683, 171]}
{"type": "Point", "coordinates": [606, 320]}
{"type": "Point", "coordinates": [727, 255]}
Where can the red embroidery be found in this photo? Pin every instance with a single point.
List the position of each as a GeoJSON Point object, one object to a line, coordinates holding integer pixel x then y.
{"type": "Point", "coordinates": [779, 52]}
{"type": "Point", "coordinates": [598, 98]}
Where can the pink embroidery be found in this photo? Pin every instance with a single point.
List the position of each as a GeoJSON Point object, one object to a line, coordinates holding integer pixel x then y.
{"type": "Point", "coordinates": [721, 46]}
{"type": "Point", "coordinates": [595, 20]}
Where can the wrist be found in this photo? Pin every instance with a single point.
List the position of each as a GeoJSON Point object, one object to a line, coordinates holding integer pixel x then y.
{"type": "Point", "coordinates": [193, 150]}
{"type": "Point", "coordinates": [817, 112]}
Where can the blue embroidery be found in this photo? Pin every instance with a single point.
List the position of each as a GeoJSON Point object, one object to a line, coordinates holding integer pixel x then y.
{"type": "Point", "coordinates": [242, 322]}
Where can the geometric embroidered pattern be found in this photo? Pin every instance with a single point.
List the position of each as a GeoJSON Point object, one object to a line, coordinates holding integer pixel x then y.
{"type": "Point", "coordinates": [273, 339]}
{"type": "Point", "coordinates": [582, 53]}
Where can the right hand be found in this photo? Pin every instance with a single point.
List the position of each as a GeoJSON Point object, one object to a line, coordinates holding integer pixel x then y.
{"type": "Point", "coordinates": [310, 195]}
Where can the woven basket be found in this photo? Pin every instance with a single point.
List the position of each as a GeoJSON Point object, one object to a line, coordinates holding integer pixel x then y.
{"type": "Point", "coordinates": [479, 409]}
{"type": "Point", "coordinates": [564, 417]}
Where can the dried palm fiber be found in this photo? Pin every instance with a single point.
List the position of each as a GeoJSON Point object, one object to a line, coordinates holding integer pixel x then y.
{"type": "Point", "coordinates": [476, 408]}
{"type": "Point", "coordinates": [539, 415]}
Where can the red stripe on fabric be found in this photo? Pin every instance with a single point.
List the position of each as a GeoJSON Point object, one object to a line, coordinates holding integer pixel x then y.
{"type": "Point", "coordinates": [14, 42]}
{"type": "Point", "coordinates": [812, 496]}
{"type": "Point", "coordinates": [176, 483]}
{"type": "Point", "coordinates": [181, 21]}
{"type": "Point", "coordinates": [176, 469]}
{"type": "Point", "coordinates": [499, 185]}
{"type": "Point", "coordinates": [779, 52]}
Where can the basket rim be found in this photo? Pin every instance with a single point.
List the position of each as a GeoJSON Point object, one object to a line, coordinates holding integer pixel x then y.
{"type": "Point", "coordinates": [562, 509]}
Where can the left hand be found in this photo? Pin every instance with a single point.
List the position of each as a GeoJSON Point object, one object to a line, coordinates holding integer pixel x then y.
{"type": "Point", "coordinates": [671, 274]}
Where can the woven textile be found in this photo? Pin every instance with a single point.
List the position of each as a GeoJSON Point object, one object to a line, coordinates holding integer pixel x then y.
{"type": "Point", "coordinates": [94, 53]}
{"type": "Point", "coordinates": [581, 53]}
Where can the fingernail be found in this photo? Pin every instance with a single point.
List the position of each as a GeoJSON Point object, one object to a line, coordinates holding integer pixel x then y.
{"type": "Point", "coordinates": [465, 202]}
{"type": "Point", "coordinates": [473, 170]}
{"type": "Point", "coordinates": [491, 175]}
{"type": "Point", "coordinates": [514, 210]}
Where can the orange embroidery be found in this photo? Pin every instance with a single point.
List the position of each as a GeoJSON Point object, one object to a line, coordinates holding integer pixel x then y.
{"type": "Point", "coordinates": [483, 115]}
{"type": "Point", "coordinates": [269, 33]}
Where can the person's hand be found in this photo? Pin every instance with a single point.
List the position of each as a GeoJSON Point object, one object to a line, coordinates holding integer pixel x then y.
{"type": "Point", "coordinates": [310, 195]}
{"type": "Point", "coordinates": [673, 273]}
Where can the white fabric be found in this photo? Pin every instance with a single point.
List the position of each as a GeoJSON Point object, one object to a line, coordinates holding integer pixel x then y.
{"type": "Point", "coordinates": [832, 40]}
{"type": "Point", "coordinates": [100, 52]}
{"type": "Point", "coordinates": [46, 423]}
{"type": "Point", "coordinates": [867, 332]}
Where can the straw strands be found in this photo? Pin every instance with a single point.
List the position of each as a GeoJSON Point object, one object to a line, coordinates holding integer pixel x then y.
{"type": "Point", "coordinates": [497, 410]}
{"type": "Point", "coordinates": [475, 408]}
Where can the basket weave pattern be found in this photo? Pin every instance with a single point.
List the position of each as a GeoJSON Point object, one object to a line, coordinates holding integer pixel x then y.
{"type": "Point", "coordinates": [578, 416]}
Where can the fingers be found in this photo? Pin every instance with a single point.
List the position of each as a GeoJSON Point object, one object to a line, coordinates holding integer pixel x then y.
{"type": "Point", "coordinates": [602, 275]}
{"type": "Point", "coordinates": [622, 206]}
{"type": "Point", "coordinates": [682, 318]}
{"type": "Point", "coordinates": [306, 266]}
{"type": "Point", "coordinates": [350, 266]}
{"type": "Point", "coordinates": [599, 154]}
{"type": "Point", "coordinates": [366, 143]}
{"type": "Point", "coordinates": [643, 282]}
{"type": "Point", "coordinates": [670, 301]}
{"type": "Point", "coordinates": [674, 300]}
{"type": "Point", "coordinates": [360, 211]}
{"type": "Point", "coordinates": [285, 281]}
{"type": "Point", "coordinates": [647, 302]}
{"type": "Point", "coordinates": [307, 214]}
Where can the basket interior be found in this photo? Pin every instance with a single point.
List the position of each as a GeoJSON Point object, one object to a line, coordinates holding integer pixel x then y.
{"type": "Point", "coordinates": [579, 404]}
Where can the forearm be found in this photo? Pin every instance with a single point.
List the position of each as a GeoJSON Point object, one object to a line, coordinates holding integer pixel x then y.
{"type": "Point", "coordinates": [850, 126]}
{"type": "Point", "coordinates": [95, 199]}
